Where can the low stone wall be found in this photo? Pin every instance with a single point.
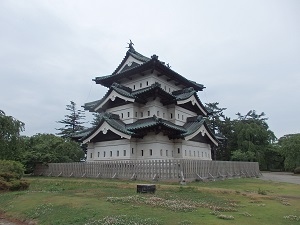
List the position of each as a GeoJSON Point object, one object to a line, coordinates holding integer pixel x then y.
{"type": "Point", "coordinates": [175, 169]}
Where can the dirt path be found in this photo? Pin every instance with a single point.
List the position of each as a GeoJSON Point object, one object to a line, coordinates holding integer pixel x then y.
{"type": "Point", "coordinates": [281, 177]}
{"type": "Point", "coordinates": [6, 221]}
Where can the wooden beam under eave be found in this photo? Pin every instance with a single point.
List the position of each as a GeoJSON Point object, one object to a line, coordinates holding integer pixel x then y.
{"type": "Point", "coordinates": [169, 79]}
{"type": "Point", "coordinates": [129, 78]}
{"type": "Point", "coordinates": [159, 75]}
{"type": "Point", "coordinates": [177, 83]}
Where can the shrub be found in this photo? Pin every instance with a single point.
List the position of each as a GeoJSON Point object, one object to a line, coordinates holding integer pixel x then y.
{"type": "Point", "coordinates": [11, 173]}
{"type": "Point", "coordinates": [19, 185]}
{"type": "Point", "coordinates": [4, 185]}
{"type": "Point", "coordinates": [15, 169]}
{"type": "Point", "coordinates": [297, 170]}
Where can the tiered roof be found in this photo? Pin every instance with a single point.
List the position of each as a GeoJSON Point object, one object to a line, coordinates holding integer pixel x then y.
{"type": "Point", "coordinates": [119, 94]}
{"type": "Point", "coordinates": [140, 128]}
{"type": "Point", "coordinates": [141, 95]}
{"type": "Point", "coordinates": [145, 65]}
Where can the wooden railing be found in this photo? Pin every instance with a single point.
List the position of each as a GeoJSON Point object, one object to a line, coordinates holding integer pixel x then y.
{"type": "Point", "coordinates": [173, 169]}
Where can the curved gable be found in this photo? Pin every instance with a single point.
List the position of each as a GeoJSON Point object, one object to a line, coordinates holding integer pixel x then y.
{"type": "Point", "coordinates": [112, 96]}
{"type": "Point", "coordinates": [194, 101]}
{"type": "Point", "coordinates": [204, 131]}
{"type": "Point", "coordinates": [104, 128]}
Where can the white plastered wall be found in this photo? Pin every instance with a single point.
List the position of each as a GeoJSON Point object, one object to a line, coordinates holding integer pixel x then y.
{"type": "Point", "coordinates": [161, 146]}
{"type": "Point", "coordinates": [139, 82]}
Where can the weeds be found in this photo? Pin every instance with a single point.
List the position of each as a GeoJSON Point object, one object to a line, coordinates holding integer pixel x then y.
{"type": "Point", "coordinates": [124, 220]}
{"type": "Point", "coordinates": [292, 218]}
{"type": "Point", "coordinates": [262, 192]}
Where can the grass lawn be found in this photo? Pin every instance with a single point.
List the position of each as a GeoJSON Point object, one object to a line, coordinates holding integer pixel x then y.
{"type": "Point", "coordinates": [96, 201]}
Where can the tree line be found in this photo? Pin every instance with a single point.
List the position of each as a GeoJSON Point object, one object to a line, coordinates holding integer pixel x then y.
{"type": "Point", "coordinates": [244, 138]}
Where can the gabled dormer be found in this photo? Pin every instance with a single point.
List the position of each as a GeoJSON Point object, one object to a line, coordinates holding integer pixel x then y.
{"type": "Point", "coordinates": [131, 60]}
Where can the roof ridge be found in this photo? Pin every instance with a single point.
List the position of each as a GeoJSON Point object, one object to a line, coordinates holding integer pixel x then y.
{"type": "Point", "coordinates": [182, 91]}
{"type": "Point", "coordinates": [120, 86]}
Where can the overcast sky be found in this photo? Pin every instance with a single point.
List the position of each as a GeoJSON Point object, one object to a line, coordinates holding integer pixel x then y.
{"type": "Point", "coordinates": [246, 53]}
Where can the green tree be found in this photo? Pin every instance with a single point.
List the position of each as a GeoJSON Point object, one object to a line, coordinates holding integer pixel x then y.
{"type": "Point", "coordinates": [96, 119]}
{"type": "Point", "coordinates": [252, 138]}
{"type": "Point", "coordinates": [48, 148]}
{"type": "Point", "coordinates": [72, 122]}
{"type": "Point", "coordinates": [10, 139]}
{"type": "Point", "coordinates": [215, 117]}
{"type": "Point", "coordinates": [289, 146]}
{"type": "Point", "coordinates": [221, 126]}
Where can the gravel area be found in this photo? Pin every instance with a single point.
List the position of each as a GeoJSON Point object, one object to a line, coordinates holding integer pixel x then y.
{"type": "Point", "coordinates": [281, 177]}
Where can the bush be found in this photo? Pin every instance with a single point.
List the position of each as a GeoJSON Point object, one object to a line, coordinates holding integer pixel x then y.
{"type": "Point", "coordinates": [4, 185]}
{"type": "Point", "coordinates": [11, 173]}
{"type": "Point", "coordinates": [19, 185]}
{"type": "Point", "coordinates": [297, 170]}
{"type": "Point", "coordinates": [15, 169]}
